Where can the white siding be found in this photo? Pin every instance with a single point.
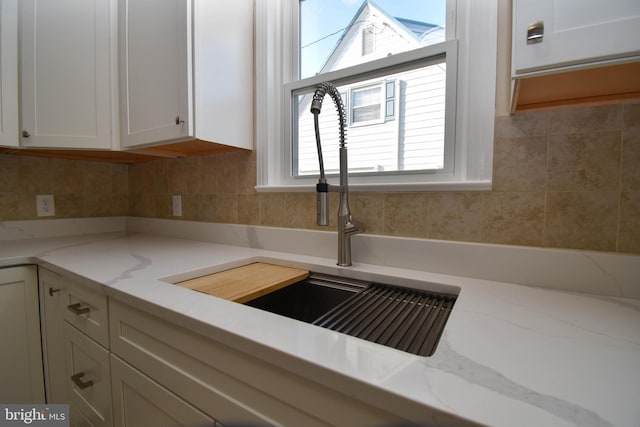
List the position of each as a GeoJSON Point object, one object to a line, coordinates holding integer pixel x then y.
{"type": "Point", "coordinates": [413, 139]}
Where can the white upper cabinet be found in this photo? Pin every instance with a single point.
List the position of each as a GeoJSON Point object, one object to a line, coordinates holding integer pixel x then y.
{"type": "Point", "coordinates": [68, 86]}
{"type": "Point", "coordinates": [552, 34]}
{"type": "Point", "coordinates": [9, 73]}
{"type": "Point", "coordinates": [186, 71]}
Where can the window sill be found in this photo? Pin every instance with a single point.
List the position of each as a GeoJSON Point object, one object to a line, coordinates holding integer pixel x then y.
{"type": "Point", "coordinates": [403, 187]}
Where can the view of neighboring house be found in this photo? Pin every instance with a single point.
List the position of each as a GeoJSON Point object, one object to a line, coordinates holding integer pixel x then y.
{"type": "Point", "coordinates": [395, 122]}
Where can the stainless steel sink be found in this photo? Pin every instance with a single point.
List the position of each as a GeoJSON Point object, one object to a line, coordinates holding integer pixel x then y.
{"type": "Point", "coordinates": [407, 319]}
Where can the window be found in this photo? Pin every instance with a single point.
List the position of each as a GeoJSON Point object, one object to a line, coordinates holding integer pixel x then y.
{"type": "Point", "coordinates": [409, 109]}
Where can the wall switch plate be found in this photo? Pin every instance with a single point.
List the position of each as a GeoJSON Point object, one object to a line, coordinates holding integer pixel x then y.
{"type": "Point", "coordinates": [176, 203]}
{"type": "Point", "coordinates": [45, 205]}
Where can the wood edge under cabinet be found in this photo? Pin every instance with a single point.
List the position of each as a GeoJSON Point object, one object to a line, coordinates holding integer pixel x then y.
{"type": "Point", "coordinates": [590, 86]}
{"type": "Point", "coordinates": [174, 150]}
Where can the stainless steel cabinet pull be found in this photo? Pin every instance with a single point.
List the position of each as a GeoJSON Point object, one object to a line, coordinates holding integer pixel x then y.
{"type": "Point", "coordinates": [53, 291]}
{"type": "Point", "coordinates": [77, 309]}
{"type": "Point", "coordinates": [25, 134]}
{"type": "Point", "coordinates": [178, 121]}
{"type": "Point", "coordinates": [535, 32]}
{"type": "Point", "coordinates": [77, 380]}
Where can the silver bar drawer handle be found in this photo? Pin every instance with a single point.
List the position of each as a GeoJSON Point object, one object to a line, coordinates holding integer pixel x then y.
{"type": "Point", "coordinates": [535, 32]}
{"type": "Point", "coordinates": [53, 291]}
{"type": "Point", "coordinates": [76, 309]}
{"type": "Point", "coordinates": [77, 380]}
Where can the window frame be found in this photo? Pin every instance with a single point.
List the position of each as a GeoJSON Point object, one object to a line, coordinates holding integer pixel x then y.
{"type": "Point", "coordinates": [475, 47]}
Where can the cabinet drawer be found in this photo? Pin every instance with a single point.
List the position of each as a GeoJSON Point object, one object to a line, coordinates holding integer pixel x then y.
{"type": "Point", "coordinates": [138, 400]}
{"type": "Point", "coordinates": [88, 377]}
{"type": "Point", "coordinates": [232, 386]}
{"type": "Point", "coordinates": [87, 310]}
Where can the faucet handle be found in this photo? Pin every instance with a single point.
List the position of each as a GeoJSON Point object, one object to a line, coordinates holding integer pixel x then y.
{"type": "Point", "coordinates": [322, 204]}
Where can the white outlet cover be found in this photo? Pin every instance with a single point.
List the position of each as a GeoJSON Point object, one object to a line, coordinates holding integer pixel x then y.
{"type": "Point", "coordinates": [176, 202]}
{"type": "Point", "coordinates": [45, 205]}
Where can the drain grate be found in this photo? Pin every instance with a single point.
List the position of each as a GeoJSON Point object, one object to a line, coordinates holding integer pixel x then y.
{"type": "Point", "coordinates": [410, 320]}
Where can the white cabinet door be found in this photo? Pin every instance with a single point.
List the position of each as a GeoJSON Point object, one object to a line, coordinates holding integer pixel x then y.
{"type": "Point", "coordinates": [21, 379]}
{"type": "Point", "coordinates": [575, 32]}
{"type": "Point", "coordinates": [154, 71]}
{"type": "Point", "coordinates": [66, 78]}
{"type": "Point", "coordinates": [53, 290]}
{"type": "Point", "coordinates": [89, 378]}
{"type": "Point", "coordinates": [138, 400]}
{"type": "Point", "coordinates": [9, 73]}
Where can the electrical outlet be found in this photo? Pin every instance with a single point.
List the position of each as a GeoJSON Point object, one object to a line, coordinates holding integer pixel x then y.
{"type": "Point", "coordinates": [176, 203]}
{"type": "Point", "coordinates": [45, 205]}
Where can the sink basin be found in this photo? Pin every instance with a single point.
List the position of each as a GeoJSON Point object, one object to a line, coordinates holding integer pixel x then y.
{"type": "Point", "coordinates": [407, 319]}
{"type": "Point", "coordinates": [308, 299]}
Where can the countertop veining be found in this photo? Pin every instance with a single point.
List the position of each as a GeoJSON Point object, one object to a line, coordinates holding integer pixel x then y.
{"type": "Point", "coordinates": [509, 355]}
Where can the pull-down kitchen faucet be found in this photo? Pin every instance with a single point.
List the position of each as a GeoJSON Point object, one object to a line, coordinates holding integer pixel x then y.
{"type": "Point", "coordinates": [347, 226]}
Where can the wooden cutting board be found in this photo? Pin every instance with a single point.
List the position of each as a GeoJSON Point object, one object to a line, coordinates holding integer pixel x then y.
{"type": "Point", "coordinates": [245, 283]}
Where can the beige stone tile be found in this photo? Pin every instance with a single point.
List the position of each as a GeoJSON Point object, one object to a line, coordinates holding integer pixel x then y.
{"type": "Point", "coordinates": [272, 211]}
{"type": "Point", "coordinates": [120, 205]}
{"type": "Point", "coordinates": [144, 205]}
{"type": "Point", "coordinates": [74, 206]}
{"type": "Point", "coordinates": [405, 214]}
{"type": "Point", "coordinates": [629, 229]}
{"type": "Point", "coordinates": [631, 117]}
{"type": "Point", "coordinates": [208, 208]}
{"type": "Point", "coordinates": [36, 175]}
{"type": "Point", "coordinates": [631, 148]}
{"type": "Point", "coordinates": [227, 173]}
{"type": "Point", "coordinates": [190, 207]}
{"type": "Point", "coordinates": [455, 216]}
{"type": "Point", "coordinates": [585, 119]}
{"type": "Point", "coordinates": [581, 220]}
{"type": "Point", "coordinates": [98, 204]}
{"type": "Point", "coordinates": [227, 208]}
{"type": "Point", "coordinates": [630, 179]}
{"type": "Point", "coordinates": [585, 162]}
{"type": "Point", "coordinates": [97, 177]}
{"type": "Point", "coordinates": [520, 164]}
{"type": "Point", "coordinates": [300, 210]}
{"type": "Point", "coordinates": [182, 176]}
{"type": "Point", "coordinates": [120, 179]}
{"type": "Point", "coordinates": [515, 218]}
{"type": "Point", "coordinates": [27, 206]}
{"type": "Point", "coordinates": [520, 125]}
{"type": "Point", "coordinates": [207, 166]}
{"type": "Point", "coordinates": [142, 177]}
{"type": "Point", "coordinates": [246, 172]}
{"type": "Point", "coordinates": [9, 207]}
{"type": "Point", "coordinates": [9, 173]}
{"type": "Point", "coordinates": [162, 206]}
{"type": "Point", "coordinates": [368, 208]}
{"type": "Point", "coordinates": [248, 209]}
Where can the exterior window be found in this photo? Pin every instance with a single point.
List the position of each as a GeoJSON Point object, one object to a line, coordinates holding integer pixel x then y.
{"type": "Point", "coordinates": [366, 104]}
{"type": "Point", "coordinates": [410, 72]}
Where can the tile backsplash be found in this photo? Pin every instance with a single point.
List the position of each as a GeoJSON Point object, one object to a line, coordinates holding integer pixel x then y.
{"type": "Point", "coordinates": [567, 178]}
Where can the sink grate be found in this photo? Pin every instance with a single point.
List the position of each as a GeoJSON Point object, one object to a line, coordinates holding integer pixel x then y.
{"type": "Point", "coordinates": [410, 320]}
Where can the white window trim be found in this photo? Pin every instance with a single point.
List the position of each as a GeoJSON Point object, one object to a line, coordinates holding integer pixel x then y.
{"type": "Point", "coordinates": [276, 56]}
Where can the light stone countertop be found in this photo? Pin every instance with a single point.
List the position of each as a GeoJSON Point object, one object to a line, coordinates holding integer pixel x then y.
{"type": "Point", "coordinates": [510, 354]}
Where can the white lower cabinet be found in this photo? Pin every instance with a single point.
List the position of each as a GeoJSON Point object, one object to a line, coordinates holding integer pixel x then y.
{"type": "Point", "coordinates": [89, 376]}
{"type": "Point", "coordinates": [138, 400]}
{"type": "Point", "coordinates": [231, 386]}
{"type": "Point", "coordinates": [21, 377]}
